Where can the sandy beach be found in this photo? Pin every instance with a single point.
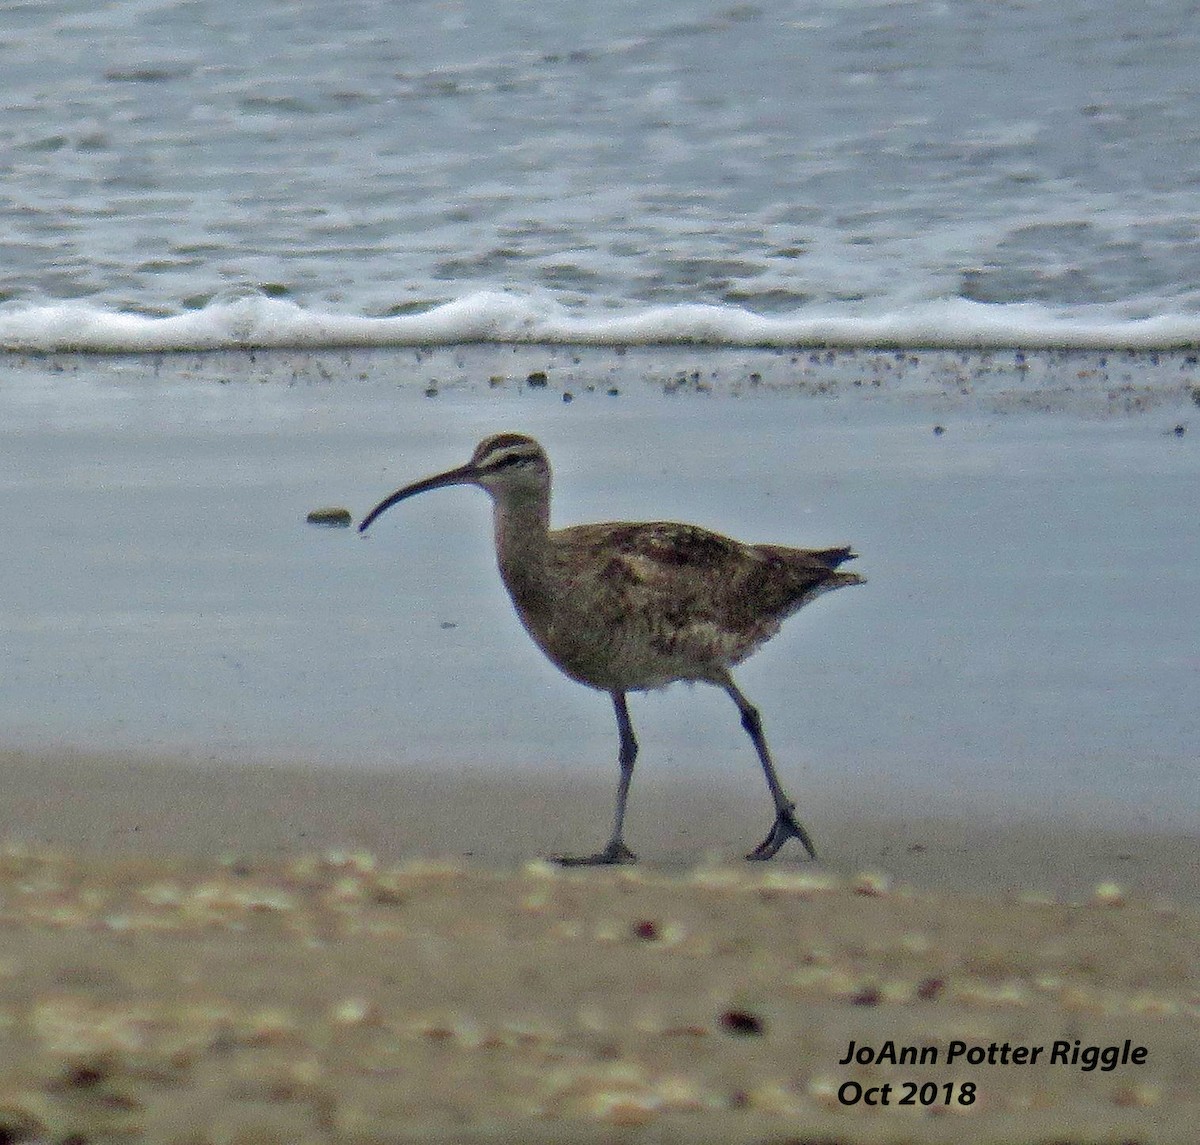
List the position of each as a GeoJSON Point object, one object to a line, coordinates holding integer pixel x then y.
{"type": "Point", "coordinates": [195, 954]}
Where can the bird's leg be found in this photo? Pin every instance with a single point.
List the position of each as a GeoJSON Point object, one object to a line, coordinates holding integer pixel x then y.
{"type": "Point", "coordinates": [786, 825]}
{"type": "Point", "coordinates": [616, 851]}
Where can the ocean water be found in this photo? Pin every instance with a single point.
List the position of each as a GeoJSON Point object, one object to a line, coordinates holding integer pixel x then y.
{"type": "Point", "coordinates": [195, 173]}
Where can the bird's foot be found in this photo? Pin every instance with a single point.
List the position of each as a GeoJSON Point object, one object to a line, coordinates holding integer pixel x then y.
{"type": "Point", "coordinates": [615, 852]}
{"type": "Point", "coordinates": [785, 827]}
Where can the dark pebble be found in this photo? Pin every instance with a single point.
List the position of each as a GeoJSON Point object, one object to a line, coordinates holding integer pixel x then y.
{"type": "Point", "coordinates": [742, 1022]}
{"type": "Point", "coordinates": [867, 996]}
{"type": "Point", "coordinates": [334, 518]}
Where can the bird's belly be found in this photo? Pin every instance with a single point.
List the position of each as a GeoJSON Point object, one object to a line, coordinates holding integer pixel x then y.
{"type": "Point", "coordinates": [635, 656]}
{"type": "Point", "coordinates": [619, 673]}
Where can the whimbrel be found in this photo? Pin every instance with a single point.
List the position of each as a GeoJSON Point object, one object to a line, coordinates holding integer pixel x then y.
{"type": "Point", "coordinates": [628, 607]}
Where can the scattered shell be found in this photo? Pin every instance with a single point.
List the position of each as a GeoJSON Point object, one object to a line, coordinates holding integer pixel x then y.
{"type": "Point", "coordinates": [346, 891]}
{"type": "Point", "coordinates": [429, 869]}
{"type": "Point", "coordinates": [1153, 1005]}
{"type": "Point", "coordinates": [537, 902]}
{"type": "Point", "coordinates": [680, 1093]}
{"type": "Point", "coordinates": [801, 884]}
{"type": "Point", "coordinates": [541, 869]}
{"type": "Point", "coordinates": [986, 994]}
{"type": "Point", "coordinates": [824, 1091]}
{"type": "Point", "coordinates": [1036, 898]}
{"type": "Point", "coordinates": [775, 1098]}
{"type": "Point", "coordinates": [716, 878]}
{"type": "Point", "coordinates": [164, 893]}
{"type": "Point", "coordinates": [671, 934]}
{"type": "Point", "coordinates": [1139, 1095]}
{"type": "Point", "coordinates": [834, 981]}
{"type": "Point", "coordinates": [271, 1026]}
{"type": "Point", "coordinates": [1080, 999]}
{"type": "Point", "coordinates": [623, 1108]}
{"type": "Point", "coordinates": [873, 884]}
{"type": "Point", "coordinates": [632, 876]}
{"type": "Point", "coordinates": [353, 1012]}
{"type": "Point", "coordinates": [358, 862]}
{"type": "Point", "coordinates": [1108, 894]}
{"type": "Point", "coordinates": [529, 1031]}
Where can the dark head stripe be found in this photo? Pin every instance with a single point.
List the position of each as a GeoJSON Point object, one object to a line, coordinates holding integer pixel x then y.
{"type": "Point", "coordinates": [507, 449]}
{"type": "Point", "coordinates": [504, 440]}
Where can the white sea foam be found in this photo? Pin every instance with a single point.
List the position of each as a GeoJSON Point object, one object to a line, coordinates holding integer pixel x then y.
{"type": "Point", "coordinates": [498, 317]}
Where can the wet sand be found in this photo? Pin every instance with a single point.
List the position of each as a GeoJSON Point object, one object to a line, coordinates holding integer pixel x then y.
{"type": "Point", "coordinates": [215, 953]}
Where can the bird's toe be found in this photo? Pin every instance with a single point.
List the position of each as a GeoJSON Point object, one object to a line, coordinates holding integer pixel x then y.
{"type": "Point", "coordinates": [616, 852]}
{"type": "Point", "coordinates": [785, 827]}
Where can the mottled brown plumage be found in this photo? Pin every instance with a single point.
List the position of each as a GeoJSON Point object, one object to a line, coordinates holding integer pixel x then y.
{"type": "Point", "coordinates": [627, 607]}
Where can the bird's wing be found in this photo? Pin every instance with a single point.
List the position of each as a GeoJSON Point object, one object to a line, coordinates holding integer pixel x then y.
{"type": "Point", "coordinates": [705, 596]}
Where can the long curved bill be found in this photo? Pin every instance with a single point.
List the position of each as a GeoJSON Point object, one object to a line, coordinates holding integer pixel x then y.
{"type": "Point", "coordinates": [463, 475]}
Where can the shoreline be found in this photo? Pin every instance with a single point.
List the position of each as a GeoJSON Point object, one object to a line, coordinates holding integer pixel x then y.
{"type": "Point", "coordinates": [965, 346]}
{"type": "Point", "coordinates": [1099, 381]}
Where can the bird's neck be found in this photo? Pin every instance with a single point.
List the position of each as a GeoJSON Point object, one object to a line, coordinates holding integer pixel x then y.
{"type": "Point", "coordinates": [522, 523]}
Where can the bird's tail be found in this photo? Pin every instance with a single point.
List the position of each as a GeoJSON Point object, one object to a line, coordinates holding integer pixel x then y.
{"type": "Point", "coordinates": [831, 558]}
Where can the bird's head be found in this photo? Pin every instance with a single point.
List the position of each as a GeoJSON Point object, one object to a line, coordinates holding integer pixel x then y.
{"type": "Point", "coordinates": [507, 465]}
